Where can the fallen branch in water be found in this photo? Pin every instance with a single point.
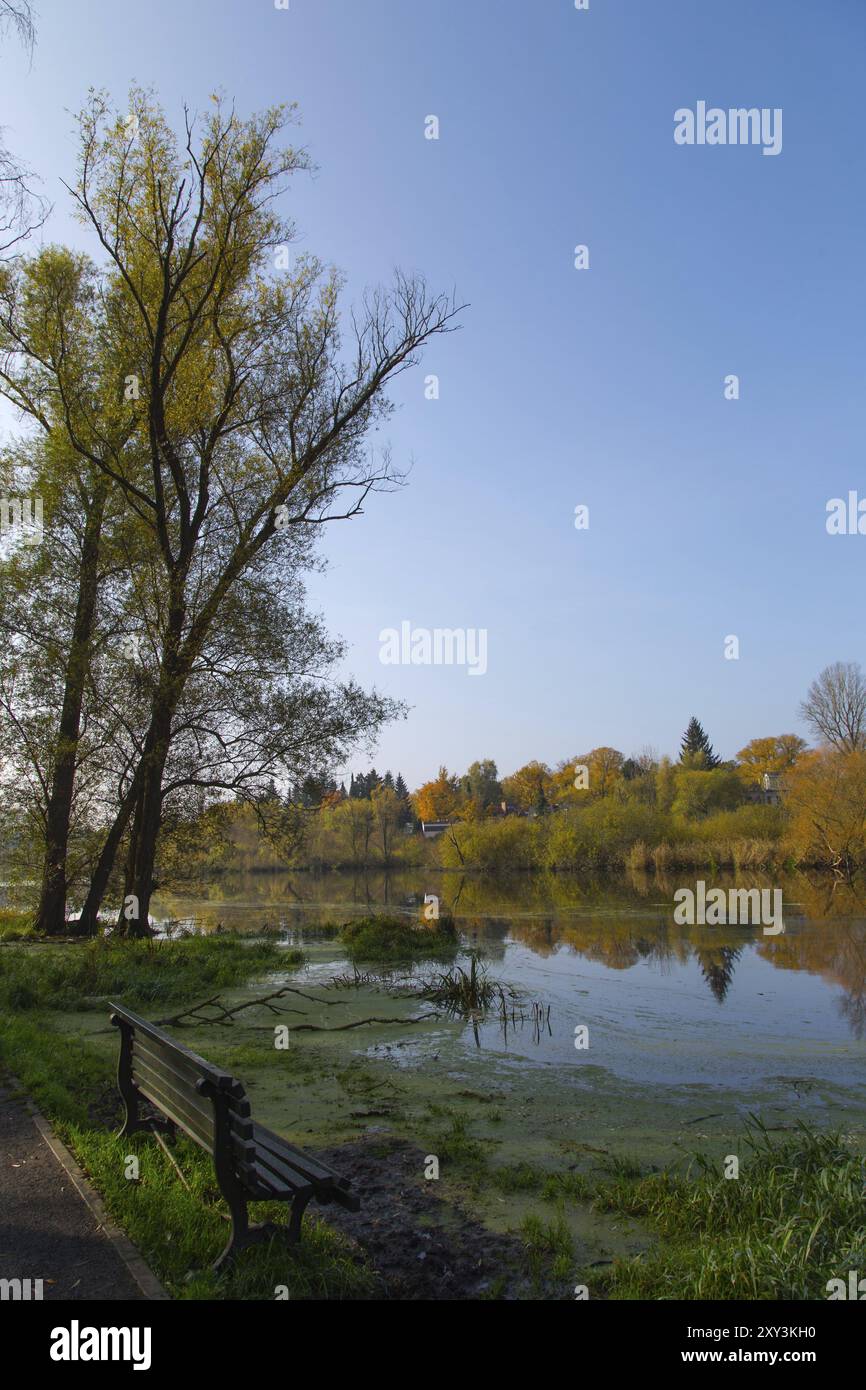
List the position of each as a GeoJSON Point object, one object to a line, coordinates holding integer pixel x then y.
{"type": "Point", "coordinates": [227, 1015]}
{"type": "Point", "coordinates": [358, 1023]}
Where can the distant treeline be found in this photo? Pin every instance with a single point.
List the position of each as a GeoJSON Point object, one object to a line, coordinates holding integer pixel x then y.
{"type": "Point", "coordinates": [597, 811]}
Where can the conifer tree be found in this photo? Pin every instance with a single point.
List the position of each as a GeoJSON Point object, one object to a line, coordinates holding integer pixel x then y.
{"type": "Point", "coordinates": [696, 746]}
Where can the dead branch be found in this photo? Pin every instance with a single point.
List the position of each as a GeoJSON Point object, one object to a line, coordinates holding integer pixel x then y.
{"type": "Point", "coordinates": [226, 1015]}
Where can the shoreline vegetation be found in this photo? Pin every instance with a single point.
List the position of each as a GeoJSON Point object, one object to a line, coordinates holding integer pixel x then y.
{"type": "Point", "coordinates": [779, 807]}
{"type": "Point", "coordinates": [766, 1236]}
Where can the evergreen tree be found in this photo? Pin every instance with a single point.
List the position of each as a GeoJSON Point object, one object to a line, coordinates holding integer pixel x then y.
{"type": "Point", "coordinates": [400, 787]}
{"type": "Point", "coordinates": [696, 747]}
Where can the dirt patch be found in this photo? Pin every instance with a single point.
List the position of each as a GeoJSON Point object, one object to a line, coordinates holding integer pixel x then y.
{"type": "Point", "coordinates": [421, 1246]}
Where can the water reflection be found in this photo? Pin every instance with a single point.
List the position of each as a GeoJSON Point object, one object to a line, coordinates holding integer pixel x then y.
{"type": "Point", "coordinates": [622, 924]}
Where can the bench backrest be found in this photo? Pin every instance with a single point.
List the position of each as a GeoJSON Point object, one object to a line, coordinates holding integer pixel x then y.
{"type": "Point", "coordinates": [207, 1103]}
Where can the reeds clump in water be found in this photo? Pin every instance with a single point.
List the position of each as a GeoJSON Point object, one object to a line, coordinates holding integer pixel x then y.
{"type": "Point", "coordinates": [473, 994]}
{"type": "Point", "coordinates": [463, 991]}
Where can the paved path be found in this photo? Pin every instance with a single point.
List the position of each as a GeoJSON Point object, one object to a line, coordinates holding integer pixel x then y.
{"type": "Point", "coordinates": [47, 1230]}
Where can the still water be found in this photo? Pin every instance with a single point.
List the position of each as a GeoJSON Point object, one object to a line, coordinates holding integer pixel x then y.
{"type": "Point", "coordinates": [663, 1004]}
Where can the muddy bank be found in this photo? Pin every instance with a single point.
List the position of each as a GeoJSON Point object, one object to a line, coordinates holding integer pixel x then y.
{"type": "Point", "coordinates": [420, 1245]}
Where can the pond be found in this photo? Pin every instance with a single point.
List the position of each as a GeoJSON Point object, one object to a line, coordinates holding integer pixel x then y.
{"type": "Point", "coordinates": [648, 1016]}
{"type": "Point", "coordinates": [683, 1033]}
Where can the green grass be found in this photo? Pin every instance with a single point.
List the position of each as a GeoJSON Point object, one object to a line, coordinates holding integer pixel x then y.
{"type": "Point", "coordinates": [16, 924]}
{"type": "Point", "coordinates": [179, 1232]}
{"type": "Point", "coordinates": [396, 939]}
{"type": "Point", "coordinates": [549, 1248]}
{"type": "Point", "coordinates": [458, 1149]}
{"type": "Point", "coordinates": [793, 1219]}
{"type": "Point", "coordinates": [143, 974]}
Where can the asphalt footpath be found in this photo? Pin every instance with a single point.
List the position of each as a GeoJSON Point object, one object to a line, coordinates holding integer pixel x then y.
{"type": "Point", "coordinates": [47, 1229]}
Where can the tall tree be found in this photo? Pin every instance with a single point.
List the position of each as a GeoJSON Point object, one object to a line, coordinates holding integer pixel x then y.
{"type": "Point", "coordinates": [229, 378]}
{"type": "Point", "coordinates": [386, 813]}
{"type": "Point", "coordinates": [696, 751]}
{"type": "Point", "coordinates": [773, 754]}
{"type": "Point", "coordinates": [529, 786]}
{"type": "Point", "coordinates": [835, 707]}
{"type": "Point", "coordinates": [481, 784]}
{"type": "Point", "coordinates": [51, 628]}
{"type": "Point", "coordinates": [439, 799]}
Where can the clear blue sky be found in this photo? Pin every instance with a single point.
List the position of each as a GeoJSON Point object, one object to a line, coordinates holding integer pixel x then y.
{"type": "Point", "coordinates": [604, 387]}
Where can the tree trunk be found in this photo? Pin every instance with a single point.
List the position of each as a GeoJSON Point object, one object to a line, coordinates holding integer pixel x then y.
{"type": "Point", "coordinates": [105, 863]}
{"type": "Point", "coordinates": [51, 913]}
{"type": "Point", "coordinates": [133, 919]}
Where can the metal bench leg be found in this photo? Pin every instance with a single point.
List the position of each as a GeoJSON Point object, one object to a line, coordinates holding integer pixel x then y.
{"type": "Point", "coordinates": [129, 1094]}
{"type": "Point", "coordinates": [244, 1235]}
{"type": "Point", "coordinates": [241, 1235]}
{"type": "Point", "coordinates": [299, 1206]}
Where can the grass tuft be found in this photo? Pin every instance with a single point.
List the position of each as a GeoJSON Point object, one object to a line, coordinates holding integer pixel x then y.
{"type": "Point", "coordinates": [792, 1220]}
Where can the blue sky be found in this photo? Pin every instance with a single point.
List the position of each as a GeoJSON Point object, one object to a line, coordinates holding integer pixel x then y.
{"type": "Point", "coordinates": [602, 387]}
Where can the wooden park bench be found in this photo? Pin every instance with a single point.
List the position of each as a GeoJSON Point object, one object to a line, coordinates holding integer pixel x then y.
{"type": "Point", "coordinates": [180, 1090]}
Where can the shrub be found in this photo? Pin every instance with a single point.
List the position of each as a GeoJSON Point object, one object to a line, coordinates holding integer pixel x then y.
{"type": "Point", "coordinates": [699, 793]}
{"type": "Point", "coordinates": [496, 845]}
{"type": "Point", "coordinates": [397, 939]}
{"type": "Point", "coordinates": [600, 835]}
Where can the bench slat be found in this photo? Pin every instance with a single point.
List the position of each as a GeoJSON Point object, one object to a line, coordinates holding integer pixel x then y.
{"type": "Point", "coordinates": [160, 1064]}
{"type": "Point", "coordinates": [274, 1143]}
{"type": "Point", "coordinates": [149, 1030]}
{"type": "Point", "coordinates": [183, 1084]}
{"type": "Point", "coordinates": [198, 1107]}
{"type": "Point", "coordinates": [284, 1172]}
{"type": "Point", "coordinates": [257, 1180]}
{"type": "Point", "coordinates": [193, 1121]}
{"type": "Point", "coordinates": [184, 1063]}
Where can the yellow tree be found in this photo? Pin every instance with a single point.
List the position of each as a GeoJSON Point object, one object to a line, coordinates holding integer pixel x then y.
{"type": "Point", "coordinates": [826, 798]}
{"type": "Point", "coordinates": [386, 816]}
{"type": "Point", "coordinates": [439, 799]}
{"type": "Point", "coordinates": [530, 787]}
{"type": "Point", "coordinates": [589, 775]}
{"type": "Point", "coordinates": [605, 770]}
{"type": "Point", "coordinates": [355, 820]}
{"type": "Point", "coordinates": [774, 754]}
{"type": "Point", "coordinates": [226, 409]}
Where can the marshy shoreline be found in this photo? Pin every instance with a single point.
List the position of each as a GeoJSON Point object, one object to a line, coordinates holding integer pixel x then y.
{"type": "Point", "coordinates": [555, 1168]}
